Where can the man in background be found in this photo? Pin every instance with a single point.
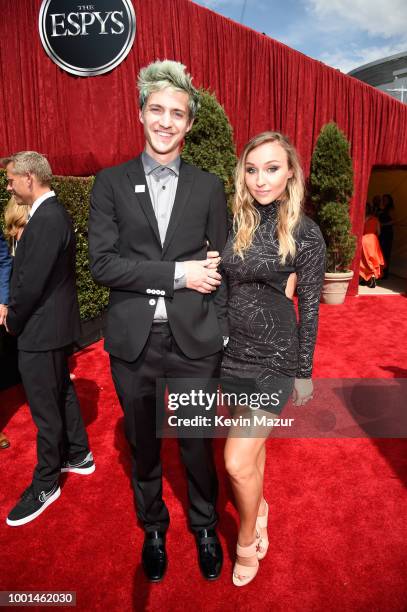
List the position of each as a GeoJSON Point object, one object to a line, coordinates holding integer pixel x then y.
{"type": "Point", "coordinates": [43, 313]}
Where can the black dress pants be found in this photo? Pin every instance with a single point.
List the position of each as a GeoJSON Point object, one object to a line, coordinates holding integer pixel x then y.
{"type": "Point", "coordinates": [135, 384]}
{"type": "Point", "coordinates": [55, 410]}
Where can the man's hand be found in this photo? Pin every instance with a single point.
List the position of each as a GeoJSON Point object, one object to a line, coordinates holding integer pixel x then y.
{"type": "Point", "coordinates": [3, 314]}
{"type": "Point", "coordinates": [303, 390]}
{"type": "Point", "coordinates": [201, 277]}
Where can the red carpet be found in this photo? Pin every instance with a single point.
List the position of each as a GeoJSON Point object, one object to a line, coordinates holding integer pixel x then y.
{"type": "Point", "coordinates": [338, 507]}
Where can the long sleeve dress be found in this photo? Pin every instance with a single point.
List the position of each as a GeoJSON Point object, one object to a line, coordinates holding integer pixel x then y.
{"type": "Point", "coordinates": [266, 345]}
{"type": "Point", "coordinates": [371, 257]}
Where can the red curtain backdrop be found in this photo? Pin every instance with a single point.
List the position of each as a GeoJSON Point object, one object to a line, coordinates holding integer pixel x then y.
{"type": "Point", "coordinates": [84, 124]}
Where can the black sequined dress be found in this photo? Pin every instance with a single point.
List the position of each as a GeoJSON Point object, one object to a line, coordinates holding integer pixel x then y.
{"type": "Point", "coordinates": [266, 344]}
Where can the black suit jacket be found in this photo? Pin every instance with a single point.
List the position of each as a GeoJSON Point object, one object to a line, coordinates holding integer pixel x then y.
{"type": "Point", "coordinates": [126, 255]}
{"type": "Point", "coordinates": [43, 309]}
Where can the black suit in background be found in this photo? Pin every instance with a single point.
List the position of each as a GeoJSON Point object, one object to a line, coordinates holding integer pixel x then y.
{"type": "Point", "coordinates": [126, 255]}
{"type": "Point", "coordinates": [44, 314]}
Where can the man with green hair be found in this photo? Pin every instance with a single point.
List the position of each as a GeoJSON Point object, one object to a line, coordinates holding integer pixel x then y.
{"type": "Point", "coordinates": [151, 221]}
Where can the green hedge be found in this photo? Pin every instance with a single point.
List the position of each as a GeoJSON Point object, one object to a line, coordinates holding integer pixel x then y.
{"type": "Point", "coordinates": [74, 192]}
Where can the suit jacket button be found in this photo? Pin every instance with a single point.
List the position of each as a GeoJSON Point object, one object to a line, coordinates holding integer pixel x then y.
{"type": "Point", "coordinates": [148, 290]}
{"type": "Point", "coordinates": [151, 302]}
{"type": "Point", "coordinates": [162, 292]}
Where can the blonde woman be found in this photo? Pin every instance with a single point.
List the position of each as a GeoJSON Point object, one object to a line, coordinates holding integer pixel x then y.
{"type": "Point", "coordinates": [15, 218]}
{"type": "Point", "coordinates": [272, 241]}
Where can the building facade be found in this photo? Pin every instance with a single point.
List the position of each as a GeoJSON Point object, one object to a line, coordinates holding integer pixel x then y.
{"type": "Point", "coordinates": [388, 74]}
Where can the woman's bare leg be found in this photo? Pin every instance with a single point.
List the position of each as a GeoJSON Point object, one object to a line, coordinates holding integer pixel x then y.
{"type": "Point", "coordinates": [244, 460]}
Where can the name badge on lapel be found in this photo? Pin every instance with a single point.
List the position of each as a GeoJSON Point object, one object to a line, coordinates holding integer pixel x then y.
{"type": "Point", "coordinates": [140, 188]}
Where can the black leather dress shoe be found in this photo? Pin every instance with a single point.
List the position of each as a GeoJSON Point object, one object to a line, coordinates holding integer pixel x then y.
{"type": "Point", "coordinates": [4, 442]}
{"type": "Point", "coordinates": [154, 556]}
{"type": "Point", "coordinates": [210, 553]}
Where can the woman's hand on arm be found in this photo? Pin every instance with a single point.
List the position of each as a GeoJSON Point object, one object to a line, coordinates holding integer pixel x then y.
{"type": "Point", "coordinates": [215, 260]}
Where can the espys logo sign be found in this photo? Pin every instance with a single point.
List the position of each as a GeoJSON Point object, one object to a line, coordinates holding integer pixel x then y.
{"type": "Point", "coordinates": [87, 39]}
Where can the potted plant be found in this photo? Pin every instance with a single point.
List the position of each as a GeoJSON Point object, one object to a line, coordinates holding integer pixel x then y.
{"type": "Point", "coordinates": [331, 182]}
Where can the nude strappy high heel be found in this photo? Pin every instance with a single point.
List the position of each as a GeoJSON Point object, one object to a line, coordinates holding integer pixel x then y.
{"type": "Point", "coordinates": [263, 541]}
{"type": "Point", "coordinates": [243, 574]}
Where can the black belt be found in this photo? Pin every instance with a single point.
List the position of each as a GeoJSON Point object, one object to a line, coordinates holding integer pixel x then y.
{"type": "Point", "coordinates": [159, 326]}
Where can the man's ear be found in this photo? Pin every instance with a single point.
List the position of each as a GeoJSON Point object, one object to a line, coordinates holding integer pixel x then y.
{"type": "Point", "coordinates": [140, 116]}
{"type": "Point", "coordinates": [191, 123]}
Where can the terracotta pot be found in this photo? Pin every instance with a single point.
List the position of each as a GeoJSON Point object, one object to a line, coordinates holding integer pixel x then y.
{"type": "Point", "coordinates": [335, 287]}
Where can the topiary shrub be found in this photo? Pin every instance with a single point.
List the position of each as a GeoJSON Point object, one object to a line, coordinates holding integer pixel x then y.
{"type": "Point", "coordinates": [331, 188]}
{"type": "Point", "coordinates": [209, 145]}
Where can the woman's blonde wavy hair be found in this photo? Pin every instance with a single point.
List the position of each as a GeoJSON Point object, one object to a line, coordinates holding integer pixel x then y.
{"type": "Point", "coordinates": [15, 217]}
{"type": "Point", "coordinates": [246, 218]}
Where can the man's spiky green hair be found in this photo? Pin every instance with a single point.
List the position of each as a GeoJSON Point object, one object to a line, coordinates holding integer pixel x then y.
{"type": "Point", "coordinates": [167, 73]}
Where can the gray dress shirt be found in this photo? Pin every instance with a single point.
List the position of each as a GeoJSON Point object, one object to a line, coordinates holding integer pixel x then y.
{"type": "Point", "coordinates": [162, 182]}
